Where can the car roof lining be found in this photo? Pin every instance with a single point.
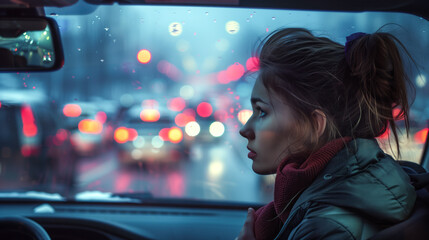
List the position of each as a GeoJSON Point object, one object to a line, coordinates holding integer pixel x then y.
{"type": "Point", "coordinates": [416, 7]}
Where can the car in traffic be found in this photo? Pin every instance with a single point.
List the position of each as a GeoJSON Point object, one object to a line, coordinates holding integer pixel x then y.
{"type": "Point", "coordinates": [89, 127]}
{"type": "Point", "coordinates": [183, 55]}
{"type": "Point", "coordinates": [34, 147]}
{"type": "Point", "coordinates": [149, 135]}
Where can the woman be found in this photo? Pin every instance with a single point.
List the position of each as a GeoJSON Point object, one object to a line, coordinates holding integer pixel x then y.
{"type": "Point", "coordinates": [317, 108]}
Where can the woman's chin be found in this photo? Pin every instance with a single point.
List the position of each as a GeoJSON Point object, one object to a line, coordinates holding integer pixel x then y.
{"type": "Point", "coordinates": [262, 170]}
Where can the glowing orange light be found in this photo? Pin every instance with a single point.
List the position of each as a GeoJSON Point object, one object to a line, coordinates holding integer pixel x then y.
{"type": "Point", "coordinates": [72, 110]}
{"type": "Point", "coordinates": [252, 64]}
{"type": "Point", "coordinates": [176, 104]}
{"type": "Point", "coordinates": [90, 126]}
{"type": "Point", "coordinates": [234, 72]}
{"type": "Point", "coordinates": [175, 135]}
{"type": "Point", "coordinates": [163, 134]}
{"type": "Point", "coordinates": [244, 115]}
{"type": "Point", "coordinates": [204, 109]}
{"type": "Point", "coordinates": [144, 56]}
{"type": "Point", "coordinates": [101, 117]}
{"type": "Point", "coordinates": [421, 136]}
{"type": "Point", "coordinates": [149, 115]}
{"type": "Point", "coordinates": [121, 135]}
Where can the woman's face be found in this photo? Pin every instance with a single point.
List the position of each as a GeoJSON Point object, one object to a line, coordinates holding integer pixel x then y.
{"type": "Point", "coordinates": [269, 131]}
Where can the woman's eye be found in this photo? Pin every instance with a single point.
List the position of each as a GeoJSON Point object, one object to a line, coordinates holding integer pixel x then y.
{"type": "Point", "coordinates": [261, 113]}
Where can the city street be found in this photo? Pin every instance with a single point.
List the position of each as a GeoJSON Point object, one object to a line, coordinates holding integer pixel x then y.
{"type": "Point", "coordinates": [212, 172]}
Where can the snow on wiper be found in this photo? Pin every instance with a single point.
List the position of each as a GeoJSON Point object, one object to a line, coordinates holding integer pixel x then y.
{"type": "Point", "coordinates": [105, 196]}
{"type": "Point", "coordinates": [32, 195]}
{"type": "Point", "coordinates": [136, 195]}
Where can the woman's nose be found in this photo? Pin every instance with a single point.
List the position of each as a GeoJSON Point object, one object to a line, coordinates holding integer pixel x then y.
{"type": "Point", "coordinates": [247, 132]}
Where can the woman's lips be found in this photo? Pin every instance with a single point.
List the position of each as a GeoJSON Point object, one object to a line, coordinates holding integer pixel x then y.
{"type": "Point", "coordinates": [251, 155]}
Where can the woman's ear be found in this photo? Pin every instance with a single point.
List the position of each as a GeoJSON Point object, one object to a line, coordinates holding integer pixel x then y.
{"type": "Point", "coordinates": [319, 119]}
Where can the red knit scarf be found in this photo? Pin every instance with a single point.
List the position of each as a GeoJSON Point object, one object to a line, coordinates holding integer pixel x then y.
{"type": "Point", "coordinates": [293, 176]}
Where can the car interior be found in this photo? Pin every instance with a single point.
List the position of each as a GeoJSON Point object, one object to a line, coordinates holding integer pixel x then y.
{"type": "Point", "coordinates": [149, 53]}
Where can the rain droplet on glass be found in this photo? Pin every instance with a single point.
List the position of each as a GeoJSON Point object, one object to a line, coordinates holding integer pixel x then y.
{"type": "Point", "coordinates": [106, 28]}
{"type": "Point", "coordinates": [78, 26]}
{"type": "Point", "coordinates": [54, 14]}
{"type": "Point", "coordinates": [247, 19]}
{"type": "Point", "coordinates": [101, 60]}
{"type": "Point", "coordinates": [189, 11]}
{"type": "Point", "coordinates": [79, 49]}
{"type": "Point", "coordinates": [214, 20]}
{"type": "Point", "coordinates": [207, 13]}
{"type": "Point", "coordinates": [273, 18]}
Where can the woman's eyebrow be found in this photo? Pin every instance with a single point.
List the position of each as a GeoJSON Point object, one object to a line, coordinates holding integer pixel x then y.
{"type": "Point", "coordinates": [254, 100]}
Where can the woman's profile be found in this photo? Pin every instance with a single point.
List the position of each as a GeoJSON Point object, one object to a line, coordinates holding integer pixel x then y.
{"type": "Point", "coordinates": [318, 107]}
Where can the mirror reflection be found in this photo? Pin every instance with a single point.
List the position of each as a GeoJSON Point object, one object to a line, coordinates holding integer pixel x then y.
{"type": "Point", "coordinates": [26, 44]}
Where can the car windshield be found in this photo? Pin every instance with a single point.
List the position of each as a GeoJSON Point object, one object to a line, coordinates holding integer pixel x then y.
{"type": "Point", "coordinates": [150, 101]}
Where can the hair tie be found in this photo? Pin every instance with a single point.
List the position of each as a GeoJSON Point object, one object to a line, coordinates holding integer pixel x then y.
{"type": "Point", "coordinates": [349, 42]}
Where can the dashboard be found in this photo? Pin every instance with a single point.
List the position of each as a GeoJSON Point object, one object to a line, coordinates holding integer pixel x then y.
{"type": "Point", "coordinates": [66, 221]}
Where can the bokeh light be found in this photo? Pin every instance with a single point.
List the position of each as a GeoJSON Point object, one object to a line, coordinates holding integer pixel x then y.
{"type": "Point", "coordinates": [157, 142]}
{"type": "Point", "coordinates": [72, 110]}
{"type": "Point", "coordinates": [175, 135]}
{"type": "Point", "coordinates": [192, 129]}
{"type": "Point", "coordinates": [139, 142]}
{"type": "Point", "coordinates": [144, 56]}
{"type": "Point", "coordinates": [232, 27]}
{"type": "Point", "coordinates": [90, 126]}
{"type": "Point", "coordinates": [175, 29]}
{"type": "Point", "coordinates": [121, 135]}
{"type": "Point", "coordinates": [252, 64]}
{"type": "Point", "coordinates": [217, 129]}
{"type": "Point", "coordinates": [244, 115]}
{"type": "Point", "coordinates": [182, 119]}
{"type": "Point", "coordinates": [149, 115]}
{"type": "Point", "coordinates": [101, 117]}
{"type": "Point", "coordinates": [187, 92]}
{"type": "Point", "coordinates": [176, 104]}
{"type": "Point", "coordinates": [163, 134]}
{"type": "Point", "coordinates": [421, 136]}
{"type": "Point", "coordinates": [234, 72]}
{"type": "Point", "coordinates": [204, 109]}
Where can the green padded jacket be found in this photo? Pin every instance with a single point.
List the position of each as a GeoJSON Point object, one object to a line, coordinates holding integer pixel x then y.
{"type": "Point", "coordinates": [361, 191]}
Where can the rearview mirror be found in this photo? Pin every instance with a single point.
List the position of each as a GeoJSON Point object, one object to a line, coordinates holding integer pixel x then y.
{"type": "Point", "coordinates": [30, 44]}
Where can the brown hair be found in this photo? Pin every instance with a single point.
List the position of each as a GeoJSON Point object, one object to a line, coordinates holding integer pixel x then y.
{"type": "Point", "coordinates": [356, 91]}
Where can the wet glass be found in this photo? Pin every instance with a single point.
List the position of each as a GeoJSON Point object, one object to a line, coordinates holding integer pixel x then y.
{"type": "Point", "coordinates": [150, 102]}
